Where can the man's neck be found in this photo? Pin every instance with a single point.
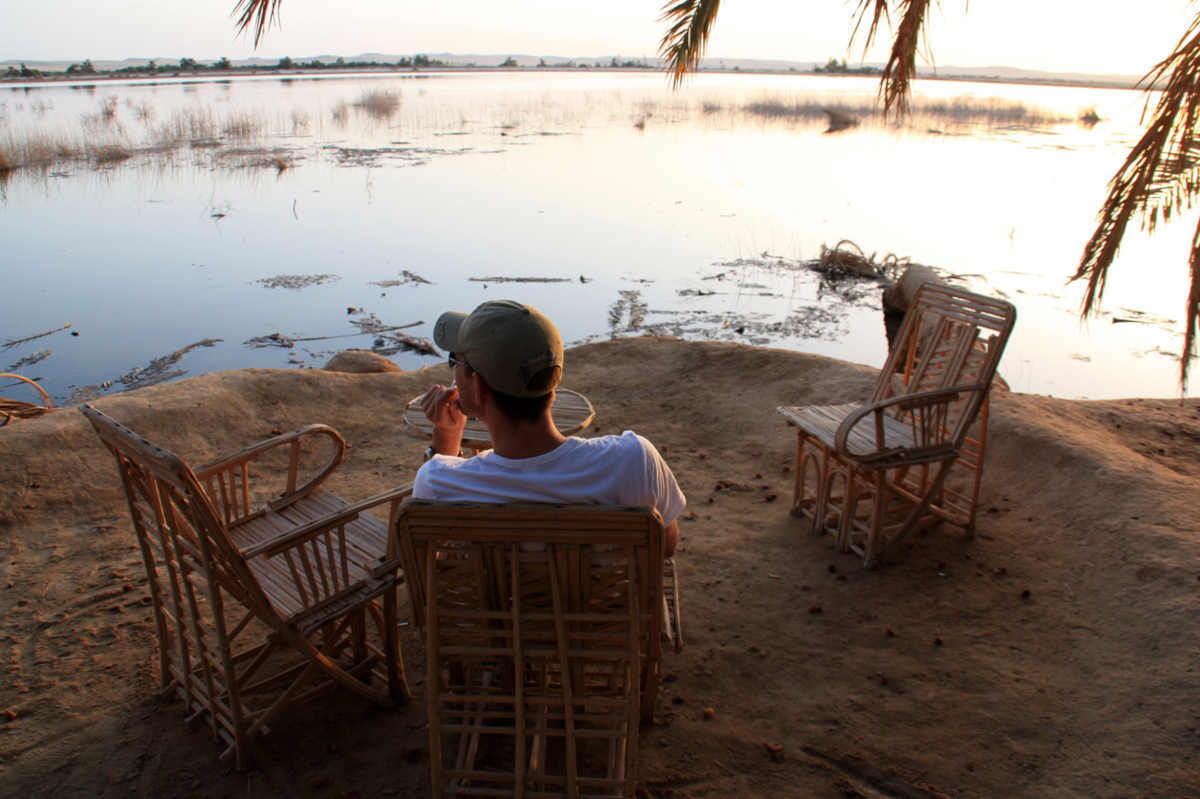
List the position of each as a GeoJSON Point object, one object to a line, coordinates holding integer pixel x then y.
{"type": "Point", "coordinates": [517, 440]}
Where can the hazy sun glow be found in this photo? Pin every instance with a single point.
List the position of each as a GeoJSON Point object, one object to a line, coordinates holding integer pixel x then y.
{"type": "Point", "coordinates": [1052, 35]}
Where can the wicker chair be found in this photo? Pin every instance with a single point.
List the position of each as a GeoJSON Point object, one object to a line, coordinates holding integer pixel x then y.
{"type": "Point", "coordinates": [257, 607]}
{"type": "Point", "coordinates": [13, 410]}
{"type": "Point", "coordinates": [542, 629]}
{"type": "Point", "coordinates": [871, 473]}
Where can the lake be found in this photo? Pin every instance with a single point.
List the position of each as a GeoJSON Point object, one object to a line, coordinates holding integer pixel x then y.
{"type": "Point", "coordinates": [182, 226]}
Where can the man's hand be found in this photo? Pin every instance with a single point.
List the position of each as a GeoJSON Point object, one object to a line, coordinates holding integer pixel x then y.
{"type": "Point", "coordinates": [441, 407]}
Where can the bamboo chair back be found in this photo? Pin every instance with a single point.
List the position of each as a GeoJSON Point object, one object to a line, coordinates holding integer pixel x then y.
{"type": "Point", "coordinates": [543, 640]}
{"type": "Point", "coordinates": [870, 473]}
{"type": "Point", "coordinates": [237, 594]}
{"type": "Point", "coordinates": [194, 572]}
{"type": "Point", "coordinates": [950, 338]}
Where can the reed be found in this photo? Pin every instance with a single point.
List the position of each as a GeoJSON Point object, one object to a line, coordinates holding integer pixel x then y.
{"type": "Point", "coordinates": [38, 151]}
{"type": "Point", "coordinates": [241, 126]}
{"type": "Point", "coordinates": [301, 120]}
{"type": "Point", "coordinates": [340, 114]}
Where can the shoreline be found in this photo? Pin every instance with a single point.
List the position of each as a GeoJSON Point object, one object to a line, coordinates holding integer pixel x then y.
{"type": "Point", "coordinates": [201, 76]}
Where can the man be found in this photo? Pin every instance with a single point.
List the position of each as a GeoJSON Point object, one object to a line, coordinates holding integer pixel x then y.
{"type": "Point", "coordinates": [507, 358]}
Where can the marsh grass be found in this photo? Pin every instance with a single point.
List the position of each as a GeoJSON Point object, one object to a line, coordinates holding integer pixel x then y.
{"type": "Point", "coordinates": [143, 112]}
{"type": "Point", "coordinates": [103, 142]}
{"type": "Point", "coordinates": [242, 126]}
{"type": "Point", "coordinates": [957, 111]}
{"type": "Point", "coordinates": [109, 154]}
{"type": "Point", "coordinates": [301, 120]}
{"type": "Point", "coordinates": [38, 151]}
{"type": "Point", "coordinates": [379, 105]}
{"type": "Point", "coordinates": [340, 114]}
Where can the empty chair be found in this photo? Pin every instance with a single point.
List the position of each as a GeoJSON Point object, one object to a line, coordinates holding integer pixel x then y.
{"type": "Point", "coordinates": [542, 628]}
{"type": "Point", "coordinates": [871, 473]}
{"type": "Point", "coordinates": [14, 410]}
{"type": "Point", "coordinates": [265, 587]}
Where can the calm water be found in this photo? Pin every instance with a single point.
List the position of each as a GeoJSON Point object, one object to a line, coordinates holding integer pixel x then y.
{"type": "Point", "coordinates": [678, 213]}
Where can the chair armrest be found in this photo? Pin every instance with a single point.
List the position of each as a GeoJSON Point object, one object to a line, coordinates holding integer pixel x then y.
{"type": "Point", "coordinates": [293, 490]}
{"type": "Point", "coordinates": [932, 444]}
{"type": "Point", "coordinates": [315, 528]}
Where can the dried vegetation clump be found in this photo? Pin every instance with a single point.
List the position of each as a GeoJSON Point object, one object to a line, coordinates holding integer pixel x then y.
{"type": "Point", "coordinates": [847, 259]}
{"type": "Point", "coordinates": [296, 281]}
{"type": "Point", "coordinates": [379, 105]}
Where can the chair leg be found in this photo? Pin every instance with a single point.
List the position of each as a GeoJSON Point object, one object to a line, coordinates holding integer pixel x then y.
{"type": "Point", "coordinates": [910, 521]}
{"type": "Point", "coordinates": [849, 509]}
{"type": "Point", "coordinates": [877, 520]}
{"type": "Point", "coordinates": [798, 486]}
{"type": "Point", "coordinates": [397, 679]}
{"type": "Point", "coordinates": [822, 461]}
{"type": "Point", "coordinates": [671, 603]}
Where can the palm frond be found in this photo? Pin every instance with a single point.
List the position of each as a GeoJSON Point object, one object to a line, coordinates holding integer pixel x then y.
{"type": "Point", "coordinates": [1193, 312]}
{"type": "Point", "coordinates": [1160, 177]}
{"type": "Point", "coordinates": [256, 14]}
{"type": "Point", "coordinates": [690, 22]}
{"type": "Point", "coordinates": [901, 65]}
{"type": "Point", "coordinates": [880, 9]}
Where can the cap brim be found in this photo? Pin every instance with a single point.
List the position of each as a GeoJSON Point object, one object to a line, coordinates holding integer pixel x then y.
{"type": "Point", "coordinates": [445, 332]}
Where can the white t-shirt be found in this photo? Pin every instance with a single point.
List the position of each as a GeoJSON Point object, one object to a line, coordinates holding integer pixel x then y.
{"type": "Point", "coordinates": [611, 470]}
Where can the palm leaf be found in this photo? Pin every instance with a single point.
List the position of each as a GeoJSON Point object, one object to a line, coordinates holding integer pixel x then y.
{"type": "Point", "coordinates": [1160, 177]}
{"type": "Point", "coordinates": [256, 14]}
{"type": "Point", "coordinates": [901, 65]}
{"type": "Point", "coordinates": [690, 22]}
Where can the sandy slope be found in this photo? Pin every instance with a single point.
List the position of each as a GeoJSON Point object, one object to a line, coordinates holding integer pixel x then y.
{"type": "Point", "coordinates": [1086, 688]}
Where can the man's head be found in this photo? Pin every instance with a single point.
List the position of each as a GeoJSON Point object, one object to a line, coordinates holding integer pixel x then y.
{"type": "Point", "coordinates": [515, 349]}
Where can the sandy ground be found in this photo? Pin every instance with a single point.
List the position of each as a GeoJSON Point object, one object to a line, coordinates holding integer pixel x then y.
{"type": "Point", "coordinates": [1085, 687]}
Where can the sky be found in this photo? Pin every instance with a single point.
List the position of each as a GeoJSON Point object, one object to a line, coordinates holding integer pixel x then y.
{"type": "Point", "coordinates": [1049, 35]}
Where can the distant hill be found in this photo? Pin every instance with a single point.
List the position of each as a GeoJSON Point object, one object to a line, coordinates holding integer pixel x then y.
{"type": "Point", "coordinates": [997, 73]}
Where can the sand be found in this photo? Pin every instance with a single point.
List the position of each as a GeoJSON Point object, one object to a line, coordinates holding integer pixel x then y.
{"type": "Point", "coordinates": [1085, 686]}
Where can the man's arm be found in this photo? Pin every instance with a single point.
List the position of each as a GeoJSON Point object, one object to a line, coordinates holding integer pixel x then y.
{"type": "Point", "coordinates": [672, 538]}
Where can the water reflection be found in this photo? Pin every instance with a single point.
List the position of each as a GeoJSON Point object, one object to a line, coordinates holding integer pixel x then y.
{"type": "Point", "coordinates": [622, 208]}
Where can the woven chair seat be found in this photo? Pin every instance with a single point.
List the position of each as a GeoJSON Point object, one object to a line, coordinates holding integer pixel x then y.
{"type": "Point", "coordinates": [822, 422]}
{"type": "Point", "coordinates": [366, 539]}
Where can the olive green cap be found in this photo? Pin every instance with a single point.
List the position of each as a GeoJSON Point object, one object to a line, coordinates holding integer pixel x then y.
{"type": "Point", "coordinates": [506, 342]}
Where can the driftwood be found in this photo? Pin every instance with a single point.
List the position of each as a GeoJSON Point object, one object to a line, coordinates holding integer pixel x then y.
{"type": "Point", "coordinates": [10, 344]}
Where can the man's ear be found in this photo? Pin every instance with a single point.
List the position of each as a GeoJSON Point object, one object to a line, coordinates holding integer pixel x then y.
{"type": "Point", "coordinates": [481, 390]}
